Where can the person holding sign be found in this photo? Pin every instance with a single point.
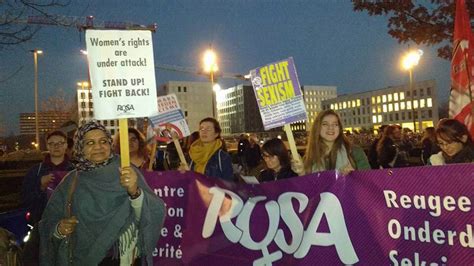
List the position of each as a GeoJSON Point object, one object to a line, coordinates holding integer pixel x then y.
{"type": "Point", "coordinates": [137, 147]}
{"type": "Point", "coordinates": [455, 143]}
{"type": "Point", "coordinates": [100, 213]}
{"type": "Point", "coordinates": [207, 153]}
{"type": "Point", "coordinates": [277, 160]}
{"type": "Point", "coordinates": [329, 149]}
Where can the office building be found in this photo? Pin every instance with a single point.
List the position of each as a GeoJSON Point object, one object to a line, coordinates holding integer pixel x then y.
{"type": "Point", "coordinates": [313, 98]}
{"type": "Point", "coordinates": [85, 106]}
{"type": "Point", "coordinates": [48, 121]}
{"type": "Point", "coordinates": [392, 105]}
{"type": "Point", "coordinates": [195, 100]}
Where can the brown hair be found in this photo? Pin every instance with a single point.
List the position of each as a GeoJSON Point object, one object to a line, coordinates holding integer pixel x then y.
{"type": "Point", "coordinates": [316, 149]}
{"type": "Point", "coordinates": [453, 130]}
{"type": "Point", "coordinates": [276, 147]}
{"type": "Point", "coordinates": [217, 126]}
{"type": "Point", "coordinates": [387, 133]}
{"type": "Point", "coordinates": [142, 147]}
{"type": "Point", "coordinates": [56, 133]}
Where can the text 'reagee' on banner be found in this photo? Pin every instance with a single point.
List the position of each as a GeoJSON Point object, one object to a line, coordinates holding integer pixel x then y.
{"type": "Point", "coordinates": [278, 93]}
{"type": "Point", "coordinates": [122, 73]}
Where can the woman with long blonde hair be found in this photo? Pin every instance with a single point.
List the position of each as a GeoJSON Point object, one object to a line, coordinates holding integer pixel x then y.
{"type": "Point", "coordinates": [329, 149]}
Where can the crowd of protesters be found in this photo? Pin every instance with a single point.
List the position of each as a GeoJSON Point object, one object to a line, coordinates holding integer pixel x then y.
{"type": "Point", "coordinates": [110, 230]}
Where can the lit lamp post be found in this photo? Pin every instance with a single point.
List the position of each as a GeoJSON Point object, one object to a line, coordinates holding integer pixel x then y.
{"type": "Point", "coordinates": [36, 52]}
{"type": "Point", "coordinates": [409, 61]}
{"type": "Point", "coordinates": [210, 66]}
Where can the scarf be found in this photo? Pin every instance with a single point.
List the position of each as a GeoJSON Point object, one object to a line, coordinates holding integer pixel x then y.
{"type": "Point", "coordinates": [201, 152]}
{"type": "Point", "coordinates": [102, 207]}
{"type": "Point", "coordinates": [465, 155]}
{"type": "Point", "coordinates": [341, 161]}
{"type": "Point", "coordinates": [81, 162]}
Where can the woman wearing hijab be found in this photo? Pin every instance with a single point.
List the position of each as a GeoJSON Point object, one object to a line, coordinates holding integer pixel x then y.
{"type": "Point", "coordinates": [101, 214]}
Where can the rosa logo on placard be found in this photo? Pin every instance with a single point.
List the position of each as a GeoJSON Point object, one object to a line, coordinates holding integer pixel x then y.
{"type": "Point", "coordinates": [301, 239]}
{"type": "Point", "coordinates": [257, 82]}
{"type": "Point", "coordinates": [125, 108]}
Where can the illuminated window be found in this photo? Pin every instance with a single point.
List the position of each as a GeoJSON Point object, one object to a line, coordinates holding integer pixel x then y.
{"type": "Point", "coordinates": [415, 104]}
{"type": "Point", "coordinates": [429, 102]}
{"type": "Point", "coordinates": [374, 119]}
{"type": "Point", "coordinates": [384, 107]}
{"type": "Point", "coordinates": [340, 105]}
{"type": "Point", "coordinates": [358, 102]}
{"type": "Point", "coordinates": [384, 98]}
{"type": "Point", "coordinates": [349, 104]}
{"type": "Point", "coordinates": [396, 107]}
{"type": "Point", "coordinates": [390, 97]}
{"type": "Point", "coordinates": [408, 104]}
{"type": "Point", "coordinates": [344, 105]}
{"type": "Point", "coordinates": [378, 99]}
{"type": "Point", "coordinates": [373, 99]}
{"type": "Point", "coordinates": [402, 105]}
{"type": "Point", "coordinates": [379, 109]}
{"type": "Point", "coordinates": [395, 96]}
{"type": "Point", "coordinates": [332, 106]}
{"type": "Point", "coordinates": [402, 96]}
{"type": "Point", "coordinates": [353, 103]}
{"type": "Point", "coordinates": [390, 107]}
{"type": "Point", "coordinates": [374, 110]}
{"type": "Point", "coordinates": [379, 118]}
{"type": "Point", "coordinates": [422, 103]}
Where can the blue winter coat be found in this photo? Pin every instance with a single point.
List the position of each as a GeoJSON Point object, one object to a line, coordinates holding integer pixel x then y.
{"type": "Point", "coordinates": [219, 165]}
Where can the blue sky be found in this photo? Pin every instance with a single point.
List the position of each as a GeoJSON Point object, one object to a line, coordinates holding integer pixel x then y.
{"type": "Point", "coordinates": [330, 43]}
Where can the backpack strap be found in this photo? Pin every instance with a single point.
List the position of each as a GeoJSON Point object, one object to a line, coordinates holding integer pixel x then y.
{"type": "Point", "coordinates": [39, 169]}
{"type": "Point", "coordinates": [220, 162]}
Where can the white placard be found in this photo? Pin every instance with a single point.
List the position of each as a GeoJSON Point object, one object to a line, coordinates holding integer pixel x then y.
{"type": "Point", "coordinates": [169, 118]}
{"type": "Point", "coordinates": [122, 73]}
{"type": "Point", "coordinates": [250, 179]}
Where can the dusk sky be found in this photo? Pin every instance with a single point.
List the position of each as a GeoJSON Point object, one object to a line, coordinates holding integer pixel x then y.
{"type": "Point", "coordinates": [330, 43]}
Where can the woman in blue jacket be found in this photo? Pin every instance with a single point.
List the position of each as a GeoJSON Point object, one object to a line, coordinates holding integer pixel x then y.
{"type": "Point", "coordinates": [208, 155]}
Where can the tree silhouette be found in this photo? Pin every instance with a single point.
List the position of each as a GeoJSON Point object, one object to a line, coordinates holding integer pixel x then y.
{"type": "Point", "coordinates": [13, 27]}
{"type": "Point", "coordinates": [431, 23]}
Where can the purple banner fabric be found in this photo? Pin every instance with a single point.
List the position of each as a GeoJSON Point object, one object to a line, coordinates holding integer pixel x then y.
{"type": "Point", "coordinates": [278, 93]}
{"type": "Point", "coordinates": [407, 216]}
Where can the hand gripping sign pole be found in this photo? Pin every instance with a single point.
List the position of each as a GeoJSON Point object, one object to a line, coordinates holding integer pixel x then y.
{"type": "Point", "coordinates": [291, 142]}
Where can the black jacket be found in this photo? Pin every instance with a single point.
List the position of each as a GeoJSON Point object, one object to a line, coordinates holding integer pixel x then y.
{"type": "Point", "coordinates": [269, 175]}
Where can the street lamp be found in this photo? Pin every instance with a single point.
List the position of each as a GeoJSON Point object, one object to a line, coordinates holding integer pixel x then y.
{"type": "Point", "coordinates": [409, 61]}
{"type": "Point", "coordinates": [36, 52]}
{"type": "Point", "coordinates": [210, 66]}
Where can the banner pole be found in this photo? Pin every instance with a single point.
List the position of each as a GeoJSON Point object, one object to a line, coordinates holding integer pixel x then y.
{"type": "Point", "coordinates": [291, 141]}
{"type": "Point", "coordinates": [152, 156]}
{"type": "Point", "coordinates": [124, 149]}
{"type": "Point", "coordinates": [180, 151]}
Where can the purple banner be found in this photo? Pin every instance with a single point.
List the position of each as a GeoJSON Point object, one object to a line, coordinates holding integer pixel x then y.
{"type": "Point", "coordinates": [409, 216]}
{"type": "Point", "coordinates": [278, 93]}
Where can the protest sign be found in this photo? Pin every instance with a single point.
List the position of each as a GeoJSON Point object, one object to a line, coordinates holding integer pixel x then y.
{"type": "Point", "coordinates": [406, 216]}
{"type": "Point", "coordinates": [169, 119]}
{"type": "Point", "coordinates": [171, 122]}
{"type": "Point", "coordinates": [278, 93]}
{"type": "Point", "coordinates": [122, 73]}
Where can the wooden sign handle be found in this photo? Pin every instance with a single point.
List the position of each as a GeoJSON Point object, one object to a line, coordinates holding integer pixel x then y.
{"type": "Point", "coordinates": [124, 149]}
